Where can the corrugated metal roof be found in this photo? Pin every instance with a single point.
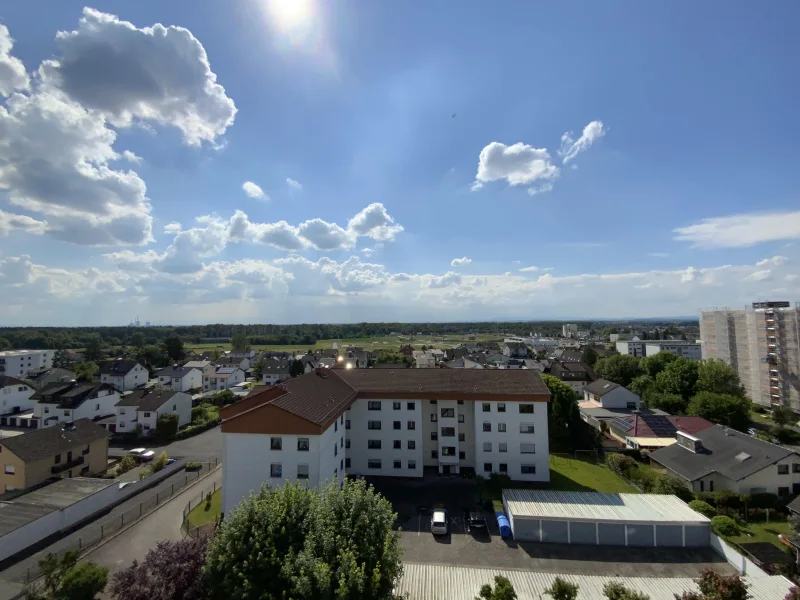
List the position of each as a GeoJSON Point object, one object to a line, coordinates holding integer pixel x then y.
{"type": "Point", "coordinates": [442, 582]}
{"type": "Point", "coordinates": [594, 506]}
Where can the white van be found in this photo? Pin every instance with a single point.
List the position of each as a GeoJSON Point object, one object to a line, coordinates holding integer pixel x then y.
{"type": "Point", "coordinates": [439, 522]}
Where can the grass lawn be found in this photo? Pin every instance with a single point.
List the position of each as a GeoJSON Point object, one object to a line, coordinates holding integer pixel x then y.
{"type": "Point", "coordinates": [763, 532]}
{"type": "Point", "coordinates": [200, 516]}
{"type": "Point", "coordinates": [576, 475]}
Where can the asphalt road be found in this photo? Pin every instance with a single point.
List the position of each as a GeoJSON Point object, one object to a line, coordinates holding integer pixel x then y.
{"type": "Point", "coordinates": [204, 447]}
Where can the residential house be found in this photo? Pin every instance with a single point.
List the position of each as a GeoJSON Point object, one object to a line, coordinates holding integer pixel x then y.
{"type": "Point", "coordinates": [456, 352]}
{"type": "Point", "coordinates": [42, 377]}
{"type": "Point", "coordinates": [386, 422]}
{"type": "Point", "coordinates": [123, 374]}
{"type": "Point", "coordinates": [197, 364]}
{"type": "Point", "coordinates": [250, 355]}
{"type": "Point", "coordinates": [567, 355]}
{"type": "Point", "coordinates": [719, 458]}
{"type": "Point", "coordinates": [423, 360]}
{"type": "Point", "coordinates": [276, 371]}
{"type": "Point", "coordinates": [489, 347]}
{"type": "Point", "coordinates": [221, 378]}
{"type": "Point", "coordinates": [461, 363]}
{"type": "Point", "coordinates": [406, 350]}
{"type": "Point", "coordinates": [15, 402]}
{"type": "Point", "coordinates": [343, 362]}
{"type": "Point", "coordinates": [607, 394]}
{"type": "Point", "coordinates": [64, 402]}
{"type": "Point", "coordinates": [650, 432]}
{"type": "Point", "coordinates": [515, 349]}
{"type": "Point", "coordinates": [18, 363]}
{"type": "Point", "coordinates": [329, 353]}
{"type": "Point", "coordinates": [576, 375]}
{"type": "Point", "coordinates": [73, 449]}
{"type": "Point", "coordinates": [180, 378]}
{"type": "Point", "coordinates": [233, 361]}
{"type": "Point", "coordinates": [144, 407]}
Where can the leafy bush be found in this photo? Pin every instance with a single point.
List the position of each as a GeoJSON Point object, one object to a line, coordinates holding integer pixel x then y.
{"type": "Point", "coordinates": [160, 462]}
{"type": "Point", "coordinates": [199, 414]}
{"type": "Point", "coordinates": [709, 497]}
{"type": "Point", "coordinates": [191, 430]}
{"type": "Point", "coordinates": [667, 484]}
{"type": "Point", "coordinates": [614, 590]}
{"type": "Point", "coordinates": [619, 463]}
{"type": "Point", "coordinates": [704, 508]}
{"type": "Point", "coordinates": [765, 501]}
{"type": "Point", "coordinates": [724, 526]}
{"type": "Point", "coordinates": [167, 427]}
{"type": "Point", "coordinates": [727, 499]}
{"type": "Point", "coordinates": [562, 590]}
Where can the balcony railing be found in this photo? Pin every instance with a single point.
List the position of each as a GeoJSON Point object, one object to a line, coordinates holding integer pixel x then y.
{"type": "Point", "coordinates": [67, 465]}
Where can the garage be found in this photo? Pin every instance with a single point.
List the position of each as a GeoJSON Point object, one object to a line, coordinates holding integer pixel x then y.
{"type": "Point", "coordinates": [593, 518]}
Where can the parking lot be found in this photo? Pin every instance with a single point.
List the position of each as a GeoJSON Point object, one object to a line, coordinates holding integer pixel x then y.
{"type": "Point", "coordinates": [414, 501]}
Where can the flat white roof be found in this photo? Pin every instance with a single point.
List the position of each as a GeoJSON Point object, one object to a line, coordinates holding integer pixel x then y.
{"type": "Point", "coordinates": [594, 506]}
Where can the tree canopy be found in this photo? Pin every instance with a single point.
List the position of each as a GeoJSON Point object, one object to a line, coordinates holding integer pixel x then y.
{"type": "Point", "coordinates": [673, 404]}
{"type": "Point", "coordinates": [563, 409]}
{"type": "Point", "coordinates": [173, 346]}
{"type": "Point", "coordinates": [297, 368]}
{"type": "Point", "coordinates": [714, 375]}
{"type": "Point", "coordinates": [620, 368]}
{"type": "Point", "coordinates": [725, 409]}
{"type": "Point", "coordinates": [64, 579]}
{"type": "Point", "coordinates": [714, 586]}
{"type": "Point", "coordinates": [678, 377]}
{"type": "Point", "coordinates": [589, 356]}
{"type": "Point", "coordinates": [562, 589]}
{"type": "Point", "coordinates": [654, 364]}
{"type": "Point", "coordinates": [641, 384]}
{"type": "Point", "coordinates": [502, 590]}
{"type": "Point", "coordinates": [239, 342]}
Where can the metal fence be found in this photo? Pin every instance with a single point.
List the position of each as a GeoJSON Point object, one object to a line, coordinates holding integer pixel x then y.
{"type": "Point", "coordinates": [192, 529]}
{"type": "Point", "coordinates": [93, 533]}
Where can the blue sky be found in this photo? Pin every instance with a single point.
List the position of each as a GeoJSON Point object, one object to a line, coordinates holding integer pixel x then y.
{"type": "Point", "coordinates": [299, 161]}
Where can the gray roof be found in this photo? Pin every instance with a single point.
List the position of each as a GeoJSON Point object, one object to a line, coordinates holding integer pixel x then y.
{"type": "Point", "coordinates": [197, 364]}
{"type": "Point", "coordinates": [147, 399]}
{"type": "Point", "coordinates": [6, 381]}
{"type": "Point", "coordinates": [601, 387]}
{"type": "Point", "coordinates": [723, 452]}
{"type": "Point", "coordinates": [226, 370]}
{"type": "Point", "coordinates": [277, 367]}
{"type": "Point", "coordinates": [117, 368]}
{"type": "Point", "coordinates": [175, 371]}
{"type": "Point", "coordinates": [611, 413]}
{"type": "Point", "coordinates": [70, 395]}
{"type": "Point", "coordinates": [47, 442]}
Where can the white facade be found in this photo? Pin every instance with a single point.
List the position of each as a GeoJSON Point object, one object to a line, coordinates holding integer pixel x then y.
{"type": "Point", "coordinates": [15, 398]}
{"type": "Point", "coordinates": [689, 350]}
{"type": "Point", "coordinates": [136, 377]}
{"type": "Point", "coordinates": [18, 363]}
{"type": "Point", "coordinates": [569, 330]}
{"type": "Point", "coordinates": [189, 380]}
{"type": "Point", "coordinates": [103, 405]}
{"type": "Point", "coordinates": [214, 380]}
{"type": "Point", "coordinates": [619, 397]}
{"type": "Point", "coordinates": [631, 347]}
{"type": "Point", "coordinates": [128, 417]}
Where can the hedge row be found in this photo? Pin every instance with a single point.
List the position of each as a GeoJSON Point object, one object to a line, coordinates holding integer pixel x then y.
{"type": "Point", "coordinates": [192, 430]}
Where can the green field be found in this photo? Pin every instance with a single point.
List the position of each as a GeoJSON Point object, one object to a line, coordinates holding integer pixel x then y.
{"type": "Point", "coordinates": [389, 342]}
{"type": "Point", "coordinates": [200, 516]}
{"type": "Point", "coordinates": [575, 475]}
{"type": "Point", "coordinates": [763, 532]}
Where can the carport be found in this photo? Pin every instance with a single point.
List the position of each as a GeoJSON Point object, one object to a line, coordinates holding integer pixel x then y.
{"type": "Point", "coordinates": [643, 520]}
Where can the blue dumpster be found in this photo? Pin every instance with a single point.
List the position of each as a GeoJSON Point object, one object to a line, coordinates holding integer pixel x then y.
{"type": "Point", "coordinates": [503, 525]}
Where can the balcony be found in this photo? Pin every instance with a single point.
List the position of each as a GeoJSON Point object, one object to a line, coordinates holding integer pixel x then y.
{"type": "Point", "coordinates": [56, 469]}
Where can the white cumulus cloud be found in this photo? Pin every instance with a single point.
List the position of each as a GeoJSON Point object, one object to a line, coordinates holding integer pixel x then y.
{"type": "Point", "coordinates": [374, 222]}
{"type": "Point", "coordinates": [518, 164]}
{"type": "Point", "coordinates": [294, 184]}
{"type": "Point", "coordinates": [254, 191]}
{"type": "Point", "coordinates": [742, 230]}
{"type": "Point", "coordinates": [570, 148]}
{"type": "Point", "coordinates": [458, 262]}
{"type": "Point", "coordinates": [530, 269]}
{"type": "Point", "coordinates": [13, 75]}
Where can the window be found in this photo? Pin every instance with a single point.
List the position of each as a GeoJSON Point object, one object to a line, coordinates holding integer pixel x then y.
{"type": "Point", "coordinates": [448, 451]}
{"type": "Point", "coordinates": [783, 469]}
{"type": "Point", "coordinates": [275, 470]}
{"type": "Point", "coordinates": [501, 427]}
{"type": "Point", "coordinates": [347, 443]}
{"type": "Point", "coordinates": [341, 465]}
{"type": "Point", "coordinates": [460, 418]}
{"type": "Point", "coordinates": [347, 424]}
{"type": "Point", "coordinates": [502, 447]}
{"type": "Point", "coordinates": [412, 445]}
{"type": "Point", "coordinates": [487, 467]}
{"type": "Point", "coordinates": [795, 467]}
{"type": "Point", "coordinates": [433, 401]}
{"type": "Point", "coordinates": [374, 444]}
{"type": "Point", "coordinates": [396, 424]}
{"type": "Point", "coordinates": [462, 437]}
{"type": "Point", "coordinates": [336, 425]}
{"type": "Point", "coordinates": [302, 471]}
{"type": "Point", "coordinates": [121, 411]}
{"type": "Point", "coordinates": [412, 464]}
{"type": "Point", "coordinates": [527, 448]}
{"type": "Point", "coordinates": [528, 469]}
{"type": "Point", "coordinates": [276, 443]}
{"type": "Point", "coordinates": [398, 464]}
{"type": "Point", "coordinates": [411, 425]}
{"type": "Point", "coordinates": [373, 424]}
{"type": "Point", "coordinates": [433, 417]}
{"type": "Point", "coordinates": [335, 450]}
{"type": "Point", "coordinates": [341, 442]}
{"type": "Point", "coordinates": [434, 454]}
{"type": "Point", "coordinates": [487, 446]}
{"type": "Point", "coordinates": [47, 410]}
{"type": "Point", "coordinates": [347, 463]}
{"type": "Point", "coordinates": [462, 455]}
{"type": "Point", "coordinates": [448, 432]}
{"type": "Point", "coordinates": [434, 436]}
{"type": "Point", "coordinates": [374, 405]}
{"type": "Point", "coordinates": [58, 458]}
{"type": "Point", "coordinates": [302, 444]}
{"type": "Point", "coordinates": [487, 407]}
{"type": "Point", "coordinates": [448, 413]}
{"type": "Point", "coordinates": [146, 415]}
{"type": "Point", "coordinates": [501, 407]}
{"type": "Point", "coordinates": [487, 426]}
{"type": "Point", "coordinates": [86, 450]}
{"type": "Point", "coordinates": [410, 405]}
{"type": "Point", "coordinates": [526, 409]}
{"type": "Point", "coordinates": [373, 464]}
{"type": "Point", "coordinates": [10, 469]}
{"type": "Point", "coordinates": [395, 406]}
{"type": "Point", "coordinates": [630, 405]}
{"type": "Point", "coordinates": [783, 491]}
{"type": "Point", "coordinates": [97, 407]}
{"type": "Point", "coordinates": [460, 402]}
{"type": "Point", "coordinates": [397, 444]}
{"type": "Point", "coordinates": [341, 419]}
{"type": "Point", "coordinates": [502, 467]}
{"type": "Point", "coordinates": [526, 428]}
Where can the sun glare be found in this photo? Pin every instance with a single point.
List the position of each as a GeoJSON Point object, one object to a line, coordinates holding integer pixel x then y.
{"type": "Point", "coordinates": [289, 15]}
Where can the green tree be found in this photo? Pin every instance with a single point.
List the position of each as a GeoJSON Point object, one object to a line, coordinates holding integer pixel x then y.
{"type": "Point", "coordinates": [297, 368]}
{"type": "Point", "coordinates": [714, 586]}
{"type": "Point", "coordinates": [667, 484]}
{"type": "Point", "coordinates": [563, 409]}
{"type": "Point", "coordinates": [239, 342]}
{"type": "Point", "coordinates": [589, 356]}
{"type": "Point", "coordinates": [61, 359]}
{"type": "Point", "coordinates": [502, 590]}
{"type": "Point", "coordinates": [258, 368]}
{"type": "Point", "coordinates": [642, 384]}
{"type": "Point", "coordinates": [783, 416]}
{"type": "Point", "coordinates": [621, 368]}
{"type": "Point", "coordinates": [64, 579]}
{"type": "Point", "coordinates": [673, 404]}
{"type": "Point", "coordinates": [4, 344]}
{"type": "Point", "coordinates": [167, 427]}
{"type": "Point", "coordinates": [137, 339]}
{"type": "Point", "coordinates": [303, 543]}
{"type": "Point", "coordinates": [94, 348]}
{"type": "Point", "coordinates": [562, 589]}
{"type": "Point", "coordinates": [160, 462]}
{"type": "Point", "coordinates": [173, 346]}
{"type": "Point", "coordinates": [714, 375]}
{"type": "Point", "coordinates": [678, 377]}
{"type": "Point", "coordinates": [731, 411]}
{"type": "Point", "coordinates": [654, 364]}
{"type": "Point", "coordinates": [614, 590]}
{"type": "Point", "coordinates": [86, 371]}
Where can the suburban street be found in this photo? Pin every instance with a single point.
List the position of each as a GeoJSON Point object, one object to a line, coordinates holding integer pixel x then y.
{"type": "Point", "coordinates": [204, 447]}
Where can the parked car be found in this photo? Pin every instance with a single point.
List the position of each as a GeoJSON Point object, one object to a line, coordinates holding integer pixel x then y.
{"type": "Point", "coordinates": [142, 454]}
{"type": "Point", "coordinates": [439, 522]}
{"type": "Point", "coordinates": [475, 522]}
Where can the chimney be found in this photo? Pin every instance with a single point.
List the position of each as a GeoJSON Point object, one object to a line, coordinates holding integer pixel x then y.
{"type": "Point", "coordinates": [690, 442]}
{"type": "Point", "coordinates": [322, 372]}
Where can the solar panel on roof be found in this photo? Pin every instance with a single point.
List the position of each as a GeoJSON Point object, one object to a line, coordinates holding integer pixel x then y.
{"type": "Point", "coordinates": [660, 425]}
{"type": "Point", "coordinates": [622, 424]}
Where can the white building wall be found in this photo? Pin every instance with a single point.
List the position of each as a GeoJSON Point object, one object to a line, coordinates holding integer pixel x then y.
{"type": "Point", "coordinates": [769, 480]}
{"type": "Point", "coordinates": [273, 378]}
{"type": "Point", "coordinates": [18, 363]}
{"type": "Point", "coordinates": [632, 348]}
{"type": "Point", "coordinates": [102, 406]}
{"type": "Point", "coordinates": [619, 398]}
{"type": "Point", "coordinates": [331, 455]}
{"type": "Point", "coordinates": [690, 351]}
{"type": "Point", "coordinates": [16, 398]}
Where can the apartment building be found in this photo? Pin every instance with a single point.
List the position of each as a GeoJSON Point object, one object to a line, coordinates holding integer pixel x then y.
{"type": "Point", "coordinates": [67, 402]}
{"type": "Point", "coordinates": [633, 347]}
{"type": "Point", "coordinates": [762, 343]}
{"type": "Point", "coordinates": [690, 350]}
{"type": "Point", "coordinates": [18, 363]}
{"type": "Point", "coordinates": [386, 422]}
{"type": "Point", "coordinates": [569, 330]}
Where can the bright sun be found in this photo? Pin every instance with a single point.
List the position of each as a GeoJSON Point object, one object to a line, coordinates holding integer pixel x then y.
{"type": "Point", "coordinates": [289, 15]}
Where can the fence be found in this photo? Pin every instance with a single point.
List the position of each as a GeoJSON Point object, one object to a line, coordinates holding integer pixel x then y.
{"type": "Point", "coordinates": [742, 564]}
{"type": "Point", "coordinates": [93, 533]}
{"type": "Point", "coordinates": [193, 530]}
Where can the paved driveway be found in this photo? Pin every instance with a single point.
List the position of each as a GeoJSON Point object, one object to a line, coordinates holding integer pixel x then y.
{"type": "Point", "coordinates": [204, 447]}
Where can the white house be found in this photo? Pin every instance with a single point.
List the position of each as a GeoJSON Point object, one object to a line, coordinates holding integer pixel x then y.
{"type": "Point", "coordinates": [423, 359]}
{"type": "Point", "coordinates": [275, 370]}
{"type": "Point", "coordinates": [515, 350]}
{"type": "Point", "coordinates": [607, 394]}
{"type": "Point", "coordinates": [719, 458]}
{"type": "Point", "coordinates": [144, 407]}
{"type": "Point", "coordinates": [690, 350]}
{"type": "Point", "coordinates": [123, 374]}
{"type": "Point", "coordinates": [15, 398]}
{"type": "Point", "coordinates": [233, 361]}
{"type": "Point", "coordinates": [180, 378]}
{"type": "Point", "coordinates": [390, 422]}
{"type": "Point", "coordinates": [62, 402]}
{"type": "Point", "coordinates": [18, 363]}
{"type": "Point", "coordinates": [221, 378]}
{"type": "Point", "coordinates": [248, 354]}
{"type": "Point", "coordinates": [42, 377]}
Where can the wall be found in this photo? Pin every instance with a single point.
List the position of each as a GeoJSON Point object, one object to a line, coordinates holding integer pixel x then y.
{"type": "Point", "coordinates": [331, 462]}
{"type": "Point", "coordinates": [15, 481]}
{"type": "Point", "coordinates": [16, 396]}
{"type": "Point", "coordinates": [744, 565]}
{"type": "Point", "coordinates": [769, 479]}
{"type": "Point", "coordinates": [619, 398]}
